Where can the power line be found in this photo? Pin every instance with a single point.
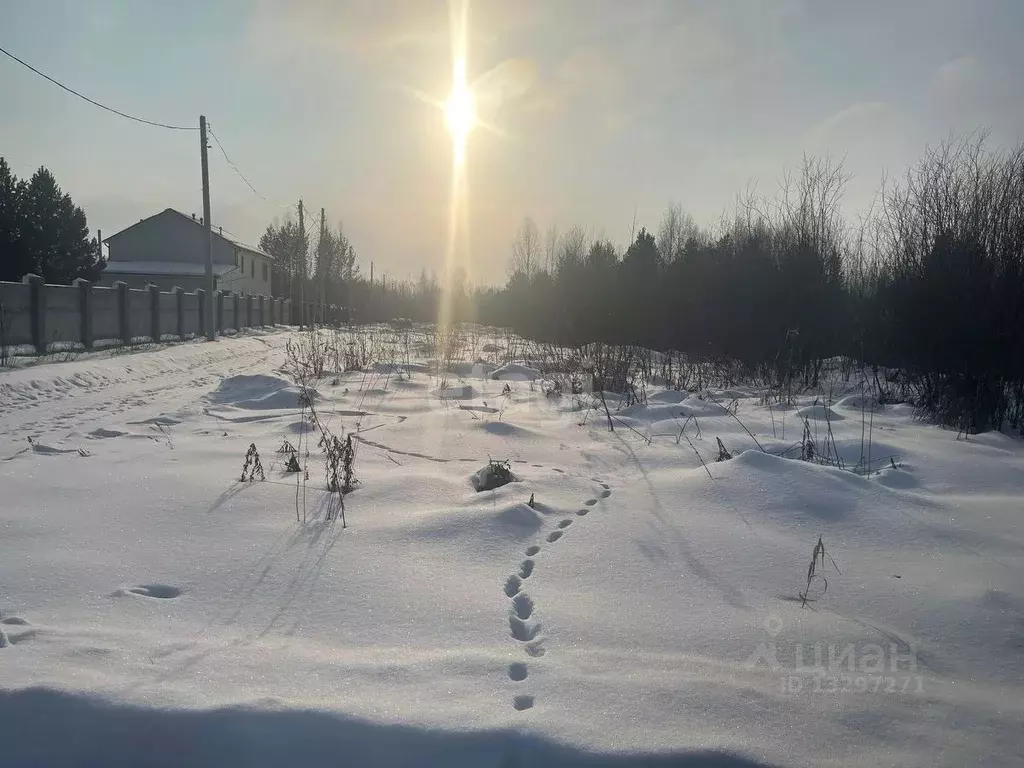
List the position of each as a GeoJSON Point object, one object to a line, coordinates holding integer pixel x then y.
{"type": "Point", "coordinates": [242, 175]}
{"type": "Point", "coordinates": [96, 103]}
{"type": "Point", "coordinates": [235, 167]}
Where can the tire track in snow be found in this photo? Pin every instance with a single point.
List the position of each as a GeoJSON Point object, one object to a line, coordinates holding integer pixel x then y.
{"type": "Point", "coordinates": [524, 629]}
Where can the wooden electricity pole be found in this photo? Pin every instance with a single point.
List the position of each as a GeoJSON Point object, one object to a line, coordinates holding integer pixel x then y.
{"type": "Point", "coordinates": [302, 268]}
{"type": "Point", "coordinates": [208, 240]}
{"type": "Point", "coordinates": [321, 268]}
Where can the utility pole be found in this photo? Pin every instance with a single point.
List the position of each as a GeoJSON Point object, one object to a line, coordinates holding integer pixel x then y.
{"type": "Point", "coordinates": [208, 309]}
{"type": "Point", "coordinates": [321, 268]}
{"type": "Point", "coordinates": [302, 268]}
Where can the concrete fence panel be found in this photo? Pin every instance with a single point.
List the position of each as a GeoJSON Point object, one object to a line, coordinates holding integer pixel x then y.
{"type": "Point", "coordinates": [168, 311]}
{"type": "Point", "coordinates": [63, 314]}
{"type": "Point", "coordinates": [138, 313]}
{"type": "Point", "coordinates": [227, 313]}
{"type": "Point", "coordinates": [15, 314]}
{"type": "Point", "coordinates": [105, 323]}
{"type": "Point", "coordinates": [83, 315]}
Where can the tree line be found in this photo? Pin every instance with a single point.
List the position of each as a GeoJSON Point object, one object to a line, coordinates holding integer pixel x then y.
{"type": "Point", "coordinates": [42, 231]}
{"type": "Point", "coordinates": [925, 292]}
{"type": "Point", "coordinates": [319, 265]}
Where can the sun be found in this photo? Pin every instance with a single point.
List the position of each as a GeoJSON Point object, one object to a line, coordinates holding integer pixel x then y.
{"type": "Point", "coordinates": [459, 111]}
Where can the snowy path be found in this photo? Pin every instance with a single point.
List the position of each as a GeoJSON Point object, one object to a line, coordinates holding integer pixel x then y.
{"type": "Point", "coordinates": [155, 610]}
{"type": "Point", "coordinates": [50, 401]}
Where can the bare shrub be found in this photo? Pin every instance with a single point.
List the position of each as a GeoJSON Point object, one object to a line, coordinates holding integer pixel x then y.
{"type": "Point", "coordinates": [818, 555]}
{"type": "Point", "coordinates": [252, 465]}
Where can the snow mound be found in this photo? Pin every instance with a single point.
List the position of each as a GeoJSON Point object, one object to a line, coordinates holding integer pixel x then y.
{"type": "Point", "coordinates": [481, 369]}
{"type": "Point", "coordinates": [289, 397]}
{"type": "Point", "coordinates": [670, 396]}
{"type": "Point", "coordinates": [819, 412]}
{"type": "Point", "coordinates": [515, 372]}
{"type": "Point", "coordinates": [652, 413]}
{"type": "Point", "coordinates": [52, 450]}
{"type": "Point", "coordinates": [504, 429]}
{"type": "Point", "coordinates": [897, 478]}
{"type": "Point", "coordinates": [484, 529]}
{"type": "Point", "coordinates": [103, 432]}
{"type": "Point", "coordinates": [492, 476]}
{"type": "Point", "coordinates": [462, 392]}
{"type": "Point", "coordinates": [520, 515]}
{"type": "Point", "coordinates": [859, 402]}
{"type": "Point", "coordinates": [259, 393]}
{"type": "Point", "coordinates": [695, 406]}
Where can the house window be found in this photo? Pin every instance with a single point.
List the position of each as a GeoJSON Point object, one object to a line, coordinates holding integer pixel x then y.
{"type": "Point", "coordinates": [264, 273]}
{"type": "Point", "coordinates": [241, 262]}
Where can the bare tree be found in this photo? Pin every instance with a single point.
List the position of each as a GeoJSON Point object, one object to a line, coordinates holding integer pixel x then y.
{"type": "Point", "coordinates": [677, 226]}
{"type": "Point", "coordinates": [526, 251]}
{"type": "Point", "coordinates": [551, 241]}
{"type": "Point", "coordinates": [572, 248]}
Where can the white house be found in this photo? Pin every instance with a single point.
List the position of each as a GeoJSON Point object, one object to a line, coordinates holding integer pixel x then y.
{"type": "Point", "coordinates": [168, 249]}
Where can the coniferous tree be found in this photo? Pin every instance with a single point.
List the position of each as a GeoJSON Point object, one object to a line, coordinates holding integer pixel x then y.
{"type": "Point", "coordinates": [42, 231]}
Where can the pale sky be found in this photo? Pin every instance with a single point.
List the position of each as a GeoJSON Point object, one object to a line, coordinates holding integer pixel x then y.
{"type": "Point", "coordinates": [603, 107]}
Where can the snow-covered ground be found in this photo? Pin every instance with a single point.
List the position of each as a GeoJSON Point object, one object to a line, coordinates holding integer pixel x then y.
{"type": "Point", "coordinates": [156, 611]}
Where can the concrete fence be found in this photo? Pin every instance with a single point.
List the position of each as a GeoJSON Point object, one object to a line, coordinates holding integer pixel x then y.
{"type": "Point", "coordinates": [43, 316]}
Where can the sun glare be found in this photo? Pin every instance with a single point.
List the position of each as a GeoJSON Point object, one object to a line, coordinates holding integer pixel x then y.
{"type": "Point", "coordinates": [459, 113]}
{"type": "Point", "coordinates": [460, 118]}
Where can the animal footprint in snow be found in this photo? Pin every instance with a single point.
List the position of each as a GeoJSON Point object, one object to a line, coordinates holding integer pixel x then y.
{"type": "Point", "coordinates": [522, 702]}
{"type": "Point", "coordinates": [525, 569]}
{"type": "Point", "coordinates": [521, 630]}
{"type": "Point", "coordinates": [160, 591]}
{"type": "Point", "coordinates": [554, 536]}
{"type": "Point", "coordinates": [582, 512]}
{"type": "Point", "coordinates": [532, 550]}
{"type": "Point", "coordinates": [523, 606]}
{"type": "Point", "coordinates": [535, 649]}
{"type": "Point", "coordinates": [590, 502]}
{"type": "Point", "coordinates": [517, 671]}
{"type": "Point", "coordinates": [512, 585]}
{"type": "Point", "coordinates": [13, 639]}
{"type": "Point", "coordinates": [605, 493]}
{"type": "Point", "coordinates": [565, 523]}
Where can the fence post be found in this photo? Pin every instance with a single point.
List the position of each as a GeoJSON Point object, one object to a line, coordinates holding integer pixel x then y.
{"type": "Point", "coordinates": [248, 310]}
{"type": "Point", "coordinates": [121, 288]}
{"type": "Point", "coordinates": [238, 304]}
{"type": "Point", "coordinates": [263, 305]}
{"type": "Point", "coordinates": [84, 310]}
{"type": "Point", "coordinates": [37, 304]}
{"type": "Point", "coordinates": [154, 312]}
{"type": "Point", "coordinates": [201, 297]}
{"type": "Point", "coordinates": [179, 312]}
{"type": "Point", "coordinates": [218, 297]}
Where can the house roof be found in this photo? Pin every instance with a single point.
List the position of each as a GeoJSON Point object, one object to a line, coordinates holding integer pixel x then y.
{"type": "Point", "coordinates": [217, 232]}
{"type": "Point", "coordinates": [177, 268]}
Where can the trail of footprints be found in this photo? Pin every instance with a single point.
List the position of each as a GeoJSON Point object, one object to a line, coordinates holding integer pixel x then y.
{"type": "Point", "coordinates": [524, 628]}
